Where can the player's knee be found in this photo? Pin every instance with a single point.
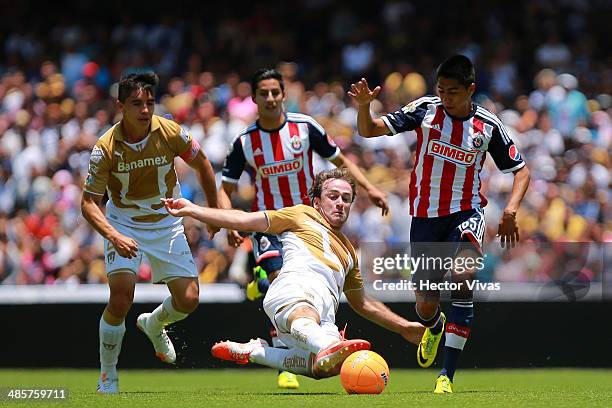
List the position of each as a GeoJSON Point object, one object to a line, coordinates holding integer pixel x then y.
{"type": "Point", "coordinates": [119, 304]}
{"type": "Point", "coordinates": [187, 303]}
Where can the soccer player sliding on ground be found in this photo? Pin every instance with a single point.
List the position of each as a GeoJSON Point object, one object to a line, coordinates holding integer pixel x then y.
{"type": "Point", "coordinates": [277, 152]}
{"type": "Point", "coordinates": [453, 136]}
{"type": "Point", "coordinates": [319, 263]}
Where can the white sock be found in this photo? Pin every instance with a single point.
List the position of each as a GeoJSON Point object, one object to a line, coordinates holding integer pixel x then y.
{"type": "Point", "coordinates": [277, 342]}
{"type": "Point", "coordinates": [295, 360]}
{"type": "Point", "coordinates": [164, 315]}
{"type": "Point", "coordinates": [310, 336]}
{"type": "Point", "coordinates": [110, 346]}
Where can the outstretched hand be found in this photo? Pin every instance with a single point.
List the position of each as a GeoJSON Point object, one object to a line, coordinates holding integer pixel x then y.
{"type": "Point", "coordinates": [178, 207]}
{"type": "Point", "coordinates": [361, 92]}
{"type": "Point", "coordinates": [182, 207]}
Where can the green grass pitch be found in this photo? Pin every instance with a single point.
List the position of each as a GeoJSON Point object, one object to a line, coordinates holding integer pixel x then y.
{"type": "Point", "coordinates": [257, 388]}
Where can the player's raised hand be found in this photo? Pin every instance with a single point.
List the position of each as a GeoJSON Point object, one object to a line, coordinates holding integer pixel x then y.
{"type": "Point", "coordinates": [379, 199]}
{"type": "Point", "coordinates": [234, 238]}
{"type": "Point", "coordinates": [361, 92]}
{"type": "Point", "coordinates": [125, 246]}
{"type": "Point", "coordinates": [508, 231]}
{"type": "Point", "coordinates": [178, 207]}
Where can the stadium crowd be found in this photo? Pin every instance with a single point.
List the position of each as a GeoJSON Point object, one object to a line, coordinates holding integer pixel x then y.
{"type": "Point", "coordinates": [541, 67]}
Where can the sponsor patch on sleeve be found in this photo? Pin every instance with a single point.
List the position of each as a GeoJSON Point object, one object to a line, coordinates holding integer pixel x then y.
{"type": "Point", "coordinates": [514, 153]}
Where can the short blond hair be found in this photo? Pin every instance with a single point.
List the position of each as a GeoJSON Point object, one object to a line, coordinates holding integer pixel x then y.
{"type": "Point", "coordinates": [340, 173]}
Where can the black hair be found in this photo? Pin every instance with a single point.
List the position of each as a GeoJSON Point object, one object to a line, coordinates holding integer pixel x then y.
{"type": "Point", "coordinates": [146, 81]}
{"type": "Point", "coordinates": [266, 73]}
{"type": "Point", "coordinates": [459, 68]}
{"type": "Point", "coordinates": [338, 173]}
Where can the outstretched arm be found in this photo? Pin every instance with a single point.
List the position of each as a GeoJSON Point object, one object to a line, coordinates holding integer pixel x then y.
{"type": "Point", "coordinates": [362, 94]}
{"type": "Point", "coordinates": [377, 312]}
{"type": "Point", "coordinates": [377, 197]}
{"type": "Point", "coordinates": [220, 218]}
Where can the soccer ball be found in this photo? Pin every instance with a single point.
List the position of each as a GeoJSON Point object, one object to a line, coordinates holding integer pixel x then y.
{"type": "Point", "coordinates": [364, 372]}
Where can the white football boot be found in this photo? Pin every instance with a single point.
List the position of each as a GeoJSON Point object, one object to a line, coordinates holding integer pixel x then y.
{"type": "Point", "coordinates": [164, 349]}
{"type": "Point", "coordinates": [107, 385]}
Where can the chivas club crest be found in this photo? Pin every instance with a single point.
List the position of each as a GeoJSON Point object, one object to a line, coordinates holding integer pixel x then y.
{"type": "Point", "coordinates": [477, 140]}
{"type": "Point", "coordinates": [296, 143]}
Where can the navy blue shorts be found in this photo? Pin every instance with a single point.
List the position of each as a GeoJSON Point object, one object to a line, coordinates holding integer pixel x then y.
{"type": "Point", "coordinates": [443, 238]}
{"type": "Point", "coordinates": [268, 251]}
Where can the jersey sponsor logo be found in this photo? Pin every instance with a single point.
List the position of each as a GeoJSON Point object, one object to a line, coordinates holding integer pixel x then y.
{"type": "Point", "coordinates": [451, 153]}
{"type": "Point", "coordinates": [458, 330]}
{"type": "Point", "coordinates": [296, 143]}
{"type": "Point", "coordinates": [514, 153]}
{"type": "Point", "coordinates": [139, 164]}
{"type": "Point", "coordinates": [281, 168]}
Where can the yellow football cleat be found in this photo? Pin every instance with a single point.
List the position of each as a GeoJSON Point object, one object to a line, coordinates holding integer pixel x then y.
{"type": "Point", "coordinates": [443, 385]}
{"type": "Point", "coordinates": [288, 381]}
{"type": "Point", "coordinates": [428, 347]}
{"type": "Point", "coordinates": [252, 291]}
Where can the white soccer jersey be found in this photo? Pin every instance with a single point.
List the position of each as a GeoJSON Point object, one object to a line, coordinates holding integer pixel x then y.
{"type": "Point", "coordinates": [279, 161]}
{"type": "Point", "coordinates": [450, 153]}
{"type": "Point", "coordinates": [311, 247]}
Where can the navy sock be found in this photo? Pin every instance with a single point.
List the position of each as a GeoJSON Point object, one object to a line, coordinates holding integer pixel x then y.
{"type": "Point", "coordinates": [457, 332]}
{"type": "Point", "coordinates": [437, 328]}
{"type": "Point", "coordinates": [263, 285]}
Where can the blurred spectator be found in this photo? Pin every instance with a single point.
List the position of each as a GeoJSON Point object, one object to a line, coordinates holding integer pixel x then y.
{"type": "Point", "coordinates": [56, 98]}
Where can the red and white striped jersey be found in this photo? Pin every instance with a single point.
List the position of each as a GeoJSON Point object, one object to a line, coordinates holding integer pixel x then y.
{"type": "Point", "coordinates": [450, 153]}
{"type": "Point", "coordinates": [279, 161]}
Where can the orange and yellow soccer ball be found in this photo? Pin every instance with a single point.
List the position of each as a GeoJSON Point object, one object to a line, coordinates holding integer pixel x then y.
{"type": "Point", "coordinates": [364, 372]}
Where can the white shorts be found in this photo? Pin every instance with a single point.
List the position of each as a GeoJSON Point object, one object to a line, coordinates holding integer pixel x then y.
{"type": "Point", "coordinates": [291, 290]}
{"type": "Point", "coordinates": [166, 249]}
